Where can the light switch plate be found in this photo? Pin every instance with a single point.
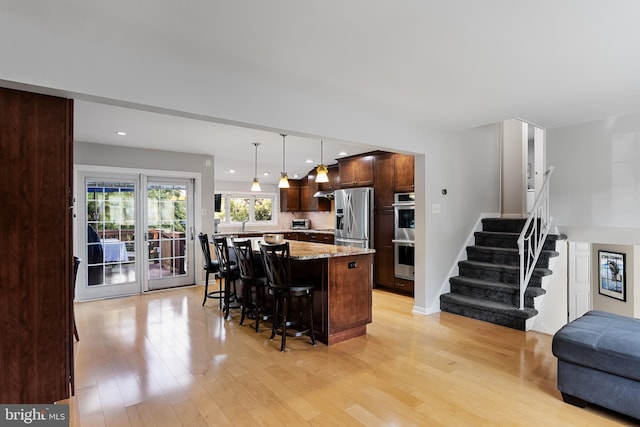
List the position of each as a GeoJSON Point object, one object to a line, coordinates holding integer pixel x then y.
{"type": "Point", "coordinates": [435, 208]}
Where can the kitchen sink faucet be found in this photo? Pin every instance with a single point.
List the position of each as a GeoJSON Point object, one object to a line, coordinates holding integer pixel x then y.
{"type": "Point", "coordinates": [243, 223]}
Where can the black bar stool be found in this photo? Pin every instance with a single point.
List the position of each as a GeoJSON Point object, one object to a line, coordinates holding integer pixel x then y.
{"type": "Point", "coordinates": [277, 264]}
{"type": "Point", "coordinates": [211, 267]}
{"type": "Point", "coordinates": [228, 270]}
{"type": "Point", "coordinates": [254, 282]}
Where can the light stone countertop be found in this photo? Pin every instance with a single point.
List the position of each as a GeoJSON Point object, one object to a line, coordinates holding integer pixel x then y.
{"type": "Point", "coordinates": [301, 251]}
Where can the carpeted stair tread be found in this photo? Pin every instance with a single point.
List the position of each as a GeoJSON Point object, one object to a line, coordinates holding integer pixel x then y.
{"type": "Point", "coordinates": [492, 306]}
{"type": "Point", "coordinates": [500, 286]}
{"type": "Point", "coordinates": [551, 253]}
{"type": "Point", "coordinates": [503, 267]}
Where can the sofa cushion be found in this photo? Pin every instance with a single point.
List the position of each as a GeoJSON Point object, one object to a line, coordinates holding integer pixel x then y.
{"type": "Point", "coordinates": [604, 341]}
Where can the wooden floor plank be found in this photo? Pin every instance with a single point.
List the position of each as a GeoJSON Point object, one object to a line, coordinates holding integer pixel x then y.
{"type": "Point", "coordinates": [162, 359]}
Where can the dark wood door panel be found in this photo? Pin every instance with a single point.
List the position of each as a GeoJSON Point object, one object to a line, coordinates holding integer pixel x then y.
{"type": "Point", "coordinates": [35, 256]}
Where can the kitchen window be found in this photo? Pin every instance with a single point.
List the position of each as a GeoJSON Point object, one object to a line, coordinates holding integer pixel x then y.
{"type": "Point", "coordinates": [252, 208]}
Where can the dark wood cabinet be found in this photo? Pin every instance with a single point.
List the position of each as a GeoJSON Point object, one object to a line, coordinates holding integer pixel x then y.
{"type": "Point", "coordinates": [383, 181]}
{"type": "Point", "coordinates": [334, 178]}
{"type": "Point", "coordinates": [290, 197]}
{"type": "Point", "coordinates": [384, 256]}
{"type": "Point", "coordinates": [356, 171]}
{"type": "Point", "coordinates": [36, 307]}
{"type": "Point", "coordinates": [404, 285]}
{"type": "Point", "coordinates": [310, 236]}
{"type": "Point", "coordinates": [404, 173]}
{"type": "Point", "coordinates": [299, 197]}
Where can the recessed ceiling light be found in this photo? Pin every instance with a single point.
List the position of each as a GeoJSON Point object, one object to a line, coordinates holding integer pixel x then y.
{"type": "Point", "coordinates": [296, 176]}
{"type": "Point", "coordinates": [308, 161]}
{"type": "Point", "coordinates": [266, 174]}
{"type": "Point", "coordinates": [342, 153]}
{"type": "Point", "coordinates": [232, 171]}
{"type": "Point", "coordinates": [121, 133]}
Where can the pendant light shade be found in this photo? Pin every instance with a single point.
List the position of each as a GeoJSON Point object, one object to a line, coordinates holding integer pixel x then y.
{"type": "Point", "coordinates": [284, 179]}
{"type": "Point", "coordinates": [255, 185]}
{"type": "Point", "coordinates": [322, 173]}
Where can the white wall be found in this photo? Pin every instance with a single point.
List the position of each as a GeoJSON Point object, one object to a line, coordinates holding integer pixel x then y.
{"type": "Point", "coordinates": [467, 165]}
{"type": "Point", "coordinates": [595, 194]}
{"type": "Point", "coordinates": [552, 307]}
{"type": "Point", "coordinates": [595, 188]}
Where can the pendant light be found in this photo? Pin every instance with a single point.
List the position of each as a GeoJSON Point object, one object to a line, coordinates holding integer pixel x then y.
{"type": "Point", "coordinates": [321, 170]}
{"type": "Point", "coordinates": [284, 179]}
{"type": "Point", "coordinates": [255, 185]}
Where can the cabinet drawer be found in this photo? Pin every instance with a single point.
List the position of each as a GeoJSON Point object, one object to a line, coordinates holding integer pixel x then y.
{"type": "Point", "coordinates": [403, 285]}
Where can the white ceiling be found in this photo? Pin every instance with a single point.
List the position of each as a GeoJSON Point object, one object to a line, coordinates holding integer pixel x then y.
{"type": "Point", "coordinates": [448, 65]}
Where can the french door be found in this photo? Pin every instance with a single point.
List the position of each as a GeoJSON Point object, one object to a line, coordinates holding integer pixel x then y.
{"type": "Point", "coordinates": [134, 234]}
{"type": "Point", "coordinates": [169, 233]}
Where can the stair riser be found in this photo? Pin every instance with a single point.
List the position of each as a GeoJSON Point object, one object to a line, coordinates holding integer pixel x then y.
{"type": "Point", "coordinates": [505, 297]}
{"type": "Point", "coordinates": [506, 241]}
{"type": "Point", "coordinates": [487, 316]}
{"type": "Point", "coordinates": [495, 275]}
{"type": "Point", "coordinates": [476, 254]}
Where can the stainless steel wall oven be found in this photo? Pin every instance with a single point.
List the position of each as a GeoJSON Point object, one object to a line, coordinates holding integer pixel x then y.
{"type": "Point", "coordinates": [404, 235]}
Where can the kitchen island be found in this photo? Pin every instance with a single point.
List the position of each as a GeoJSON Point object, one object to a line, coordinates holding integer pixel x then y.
{"type": "Point", "coordinates": [343, 279]}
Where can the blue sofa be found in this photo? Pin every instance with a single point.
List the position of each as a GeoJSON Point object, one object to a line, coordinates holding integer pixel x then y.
{"type": "Point", "coordinates": [599, 362]}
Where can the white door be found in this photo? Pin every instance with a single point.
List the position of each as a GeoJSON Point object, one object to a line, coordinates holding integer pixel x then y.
{"type": "Point", "coordinates": [169, 233]}
{"type": "Point", "coordinates": [129, 240]}
{"type": "Point", "coordinates": [579, 279]}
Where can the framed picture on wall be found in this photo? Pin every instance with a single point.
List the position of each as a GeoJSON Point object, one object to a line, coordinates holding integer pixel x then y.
{"type": "Point", "coordinates": [611, 276]}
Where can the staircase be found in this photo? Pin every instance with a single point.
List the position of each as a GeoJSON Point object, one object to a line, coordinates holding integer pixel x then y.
{"type": "Point", "coordinates": [487, 287]}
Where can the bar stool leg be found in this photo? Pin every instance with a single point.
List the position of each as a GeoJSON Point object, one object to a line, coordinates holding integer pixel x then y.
{"type": "Point", "coordinates": [310, 303]}
{"type": "Point", "coordinates": [284, 323]}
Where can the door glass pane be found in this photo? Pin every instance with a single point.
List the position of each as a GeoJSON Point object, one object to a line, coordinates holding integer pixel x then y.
{"type": "Point", "coordinates": [110, 232]}
{"type": "Point", "coordinates": [166, 230]}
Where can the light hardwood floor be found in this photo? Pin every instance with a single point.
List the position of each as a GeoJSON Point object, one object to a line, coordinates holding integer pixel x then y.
{"type": "Point", "coordinates": [161, 359]}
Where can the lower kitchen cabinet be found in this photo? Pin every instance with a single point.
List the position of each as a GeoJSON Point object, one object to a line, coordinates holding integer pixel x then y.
{"type": "Point", "coordinates": [309, 236]}
{"type": "Point", "coordinates": [403, 285]}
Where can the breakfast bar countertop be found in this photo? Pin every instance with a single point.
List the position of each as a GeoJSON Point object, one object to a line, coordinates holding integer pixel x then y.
{"type": "Point", "coordinates": [301, 251]}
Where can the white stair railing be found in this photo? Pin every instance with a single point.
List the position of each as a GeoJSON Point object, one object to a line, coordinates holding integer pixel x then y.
{"type": "Point", "coordinates": [533, 235]}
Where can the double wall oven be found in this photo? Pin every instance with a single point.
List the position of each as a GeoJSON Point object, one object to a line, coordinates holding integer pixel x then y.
{"type": "Point", "coordinates": [404, 235]}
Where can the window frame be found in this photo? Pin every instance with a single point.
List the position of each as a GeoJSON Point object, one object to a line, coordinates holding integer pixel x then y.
{"type": "Point", "coordinates": [227, 195]}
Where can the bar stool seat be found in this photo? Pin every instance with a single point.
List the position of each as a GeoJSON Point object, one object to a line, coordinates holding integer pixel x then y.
{"type": "Point", "coordinates": [277, 264]}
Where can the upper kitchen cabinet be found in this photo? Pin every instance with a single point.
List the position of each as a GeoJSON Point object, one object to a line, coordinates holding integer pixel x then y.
{"type": "Point", "coordinates": [299, 196]}
{"type": "Point", "coordinates": [334, 179]}
{"type": "Point", "coordinates": [309, 187]}
{"type": "Point", "coordinates": [356, 171]}
{"type": "Point", "coordinates": [383, 181]}
{"type": "Point", "coordinates": [290, 197]}
{"type": "Point", "coordinates": [404, 172]}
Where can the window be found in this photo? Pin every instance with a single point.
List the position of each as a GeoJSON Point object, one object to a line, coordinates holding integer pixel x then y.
{"type": "Point", "coordinates": [253, 208]}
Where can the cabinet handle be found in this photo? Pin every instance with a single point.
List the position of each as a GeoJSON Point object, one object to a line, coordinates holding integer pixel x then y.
{"type": "Point", "coordinates": [402, 285]}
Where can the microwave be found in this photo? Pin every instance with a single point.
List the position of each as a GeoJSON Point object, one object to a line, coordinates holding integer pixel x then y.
{"type": "Point", "coordinates": [300, 224]}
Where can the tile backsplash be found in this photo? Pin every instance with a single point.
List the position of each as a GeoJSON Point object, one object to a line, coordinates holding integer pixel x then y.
{"type": "Point", "coordinates": [319, 220]}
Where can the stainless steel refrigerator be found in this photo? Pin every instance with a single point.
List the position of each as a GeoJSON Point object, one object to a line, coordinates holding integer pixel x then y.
{"type": "Point", "coordinates": [354, 217]}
